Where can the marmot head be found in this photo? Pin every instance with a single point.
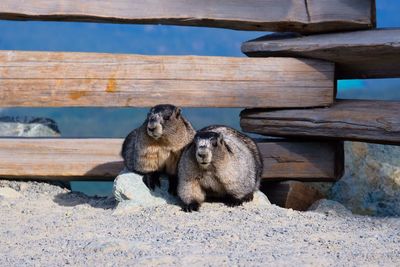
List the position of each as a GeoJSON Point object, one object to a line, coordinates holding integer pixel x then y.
{"type": "Point", "coordinates": [209, 147]}
{"type": "Point", "coordinates": [161, 120]}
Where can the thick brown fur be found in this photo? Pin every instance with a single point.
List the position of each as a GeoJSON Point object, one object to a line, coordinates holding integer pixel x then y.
{"type": "Point", "coordinates": [220, 163]}
{"type": "Point", "coordinates": [152, 153]}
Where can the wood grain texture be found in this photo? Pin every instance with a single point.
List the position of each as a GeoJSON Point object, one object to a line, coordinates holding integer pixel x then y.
{"type": "Point", "coordinates": [360, 54]}
{"type": "Point", "coordinates": [98, 159]}
{"type": "Point", "coordinates": [357, 120]}
{"type": "Point", "coordinates": [306, 16]}
{"type": "Point", "coordinates": [306, 161]}
{"type": "Point", "coordinates": [40, 79]}
{"type": "Point", "coordinates": [291, 194]}
{"type": "Point", "coordinates": [60, 159]}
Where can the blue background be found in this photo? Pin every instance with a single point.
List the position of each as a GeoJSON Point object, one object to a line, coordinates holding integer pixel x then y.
{"type": "Point", "coordinates": [155, 40]}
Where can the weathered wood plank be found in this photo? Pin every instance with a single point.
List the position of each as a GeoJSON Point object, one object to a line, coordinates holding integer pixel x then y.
{"type": "Point", "coordinates": [60, 159]}
{"type": "Point", "coordinates": [86, 79]}
{"type": "Point", "coordinates": [98, 159]}
{"type": "Point", "coordinates": [261, 15]}
{"type": "Point", "coordinates": [358, 120]}
{"type": "Point", "coordinates": [292, 194]}
{"type": "Point", "coordinates": [360, 54]}
{"type": "Point", "coordinates": [306, 161]}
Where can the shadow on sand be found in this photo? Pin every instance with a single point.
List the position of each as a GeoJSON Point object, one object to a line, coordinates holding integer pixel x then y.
{"type": "Point", "coordinates": [72, 199]}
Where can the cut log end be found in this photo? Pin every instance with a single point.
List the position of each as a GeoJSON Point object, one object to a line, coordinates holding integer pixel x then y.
{"type": "Point", "coordinates": [292, 194]}
{"type": "Point", "coordinates": [359, 54]}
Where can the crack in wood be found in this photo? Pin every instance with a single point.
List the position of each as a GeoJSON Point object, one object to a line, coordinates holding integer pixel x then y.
{"type": "Point", "coordinates": [307, 11]}
{"type": "Point", "coordinates": [284, 160]}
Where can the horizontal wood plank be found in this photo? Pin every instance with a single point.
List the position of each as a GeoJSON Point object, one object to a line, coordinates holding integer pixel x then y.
{"type": "Point", "coordinates": [98, 159]}
{"type": "Point", "coordinates": [260, 15]}
{"type": "Point", "coordinates": [60, 159]}
{"type": "Point", "coordinates": [37, 79]}
{"type": "Point", "coordinates": [360, 54]}
{"type": "Point", "coordinates": [357, 120]}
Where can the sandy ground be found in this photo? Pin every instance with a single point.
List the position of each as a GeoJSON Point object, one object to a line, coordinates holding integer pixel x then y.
{"type": "Point", "coordinates": [44, 225]}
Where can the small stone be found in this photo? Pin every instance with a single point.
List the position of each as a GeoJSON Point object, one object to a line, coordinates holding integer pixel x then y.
{"type": "Point", "coordinates": [9, 193]}
{"type": "Point", "coordinates": [330, 207]}
{"type": "Point", "coordinates": [259, 200]}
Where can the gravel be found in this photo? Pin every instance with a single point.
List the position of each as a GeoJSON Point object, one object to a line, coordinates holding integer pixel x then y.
{"type": "Point", "coordinates": [50, 226]}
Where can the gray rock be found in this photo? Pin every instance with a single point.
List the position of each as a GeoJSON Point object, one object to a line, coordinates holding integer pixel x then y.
{"type": "Point", "coordinates": [371, 184]}
{"type": "Point", "coordinates": [28, 127]}
{"type": "Point", "coordinates": [330, 207]}
{"type": "Point", "coordinates": [323, 187]}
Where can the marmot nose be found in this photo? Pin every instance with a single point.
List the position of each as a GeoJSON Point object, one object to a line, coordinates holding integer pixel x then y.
{"type": "Point", "coordinates": [151, 129]}
{"type": "Point", "coordinates": [201, 155]}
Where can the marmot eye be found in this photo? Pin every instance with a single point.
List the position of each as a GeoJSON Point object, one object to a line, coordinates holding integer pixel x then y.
{"type": "Point", "coordinates": [166, 118]}
{"type": "Point", "coordinates": [214, 143]}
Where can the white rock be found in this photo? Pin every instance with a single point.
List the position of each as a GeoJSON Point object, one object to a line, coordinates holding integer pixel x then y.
{"type": "Point", "coordinates": [9, 193]}
{"type": "Point", "coordinates": [132, 193]}
{"type": "Point", "coordinates": [260, 199]}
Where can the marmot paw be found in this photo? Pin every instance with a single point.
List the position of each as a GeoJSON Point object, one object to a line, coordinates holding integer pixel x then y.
{"type": "Point", "coordinates": [173, 185]}
{"type": "Point", "coordinates": [152, 180]}
{"type": "Point", "coordinates": [173, 191]}
{"type": "Point", "coordinates": [193, 206]}
{"type": "Point", "coordinates": [232, 201]}
{"type": "Point", "coordinates": [249, 197]}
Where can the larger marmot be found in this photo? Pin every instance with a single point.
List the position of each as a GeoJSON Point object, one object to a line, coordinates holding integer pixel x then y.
{"type": "Point", "coordinates": [156, 146]}
{"type": "Point", "coordinates": [220, 162]}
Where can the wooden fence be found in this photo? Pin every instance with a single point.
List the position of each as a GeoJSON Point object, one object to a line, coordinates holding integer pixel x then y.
{"type": "Point", "coordinates": [286, 71]}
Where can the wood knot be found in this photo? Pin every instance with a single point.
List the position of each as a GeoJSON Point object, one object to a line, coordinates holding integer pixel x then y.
{"type": "Point", "coordinates": [111, 86]}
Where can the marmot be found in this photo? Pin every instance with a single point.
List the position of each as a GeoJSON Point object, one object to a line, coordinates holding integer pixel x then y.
{"type": "Point", "coordinates": [156, 146]}
{"type": "Point", "coordinates": [220, 162]}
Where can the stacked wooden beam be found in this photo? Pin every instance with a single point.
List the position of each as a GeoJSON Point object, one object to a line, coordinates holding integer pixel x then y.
{"type": "Point", "coordinates": [360, 54]}
{"type": "Point", "coordinates": [294, 71]}
{"type": "Point", "coordinates": [308, 16]}
{"type": "Point", "coordinates": [356, 120]}
{"type": "Point", "coordinates": [98, 159]}
{"type": "Point", "coordinates": [108, 80]}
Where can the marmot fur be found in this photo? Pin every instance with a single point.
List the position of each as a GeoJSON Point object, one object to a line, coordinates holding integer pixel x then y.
{"type": "Point", "coordinates": [156, 146]}
{"type": "Point", "coordinates": [220, 162]}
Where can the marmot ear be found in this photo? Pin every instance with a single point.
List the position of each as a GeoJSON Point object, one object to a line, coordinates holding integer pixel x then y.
{"type": "Point", "coordinates": [228, 148]}
{"type": "Point", "coordinates": [178, 112]}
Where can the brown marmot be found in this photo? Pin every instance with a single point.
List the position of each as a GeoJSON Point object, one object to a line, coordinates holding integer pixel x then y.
{"type": "Point", "coordinates": [156, 146]}
{"type": "Point", "coordinates": [220, 162]}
